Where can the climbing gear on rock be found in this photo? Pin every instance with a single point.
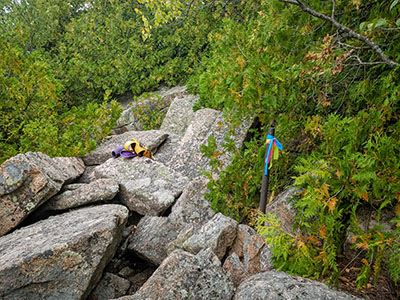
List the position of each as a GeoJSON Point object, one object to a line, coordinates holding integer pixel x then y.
{"type": "Point", "coordinates": [132, 148]}
{"type": "Point", "coordinates": [120, 151]}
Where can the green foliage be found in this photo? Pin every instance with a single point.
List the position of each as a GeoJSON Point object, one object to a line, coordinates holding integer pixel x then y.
{"type": "Point", "coordinates": [67, 55]}
{"type": "Point", "coordinates": [33, 117]}
{"type": "Point", "coordinates": [150, 110]}
{"type": "Point", "coordinates": [337, 108]}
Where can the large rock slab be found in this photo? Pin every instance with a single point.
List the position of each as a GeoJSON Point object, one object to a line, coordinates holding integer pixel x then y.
{"type": "Point", "coordinates": [273, 285]}
{"type": "Point", "coordinates": [191, 206]}
{"type": "Point", "coordinates": [168, 148]}
{"type": "Point", "coordinates": [217, 234]}
{"type": "Point", "coordinates": [28, 180]}
{"type": "Point", "coordinates": [188, 158]}
{"type": "Point", "coordinates": [99, 190]}
{"type": "Point", "coordinates": [150, 138]}
{"type": "Point", "coordinates": [185, 276]}
{"type": "Point", "coordinates": [61, 257]}
{"type": "Point", "coordinates": [180, 114]}
{"type": "Point", "coordinates": [146, 186]}
{"type": "Point", "coordinates": [152, 236]}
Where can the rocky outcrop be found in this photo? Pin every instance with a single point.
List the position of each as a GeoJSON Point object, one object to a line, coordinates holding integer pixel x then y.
{"type": "Point", "coordinates": [273, 285]}
{"type": "Point", "coordinates": [146, 186]}
{"type": "Point", "coordinates": [180, 114]}
{"type": "Point", "coordinates": [173, 245]}
{"type": "Point", "coordinates": [28, 180]}
{"type": "Point", "coordinates": [152, 236]}
{"type": "Point", "coordinates": [150, 138]}
{"type": "Point", "coordinates": [186, 276]}
{"type": "Point", "coordinates": [217, 234]}
{"type": "Point", "coordinates": [188, 158]}
{"type": "Point", "coordinates": [62, 257]}
{"type": "Point", "coordinates": [155, 237]}
{"type": "Point", "coordinates": [191, 206]}
{"type": "Point", "coordinates": [83, 194]}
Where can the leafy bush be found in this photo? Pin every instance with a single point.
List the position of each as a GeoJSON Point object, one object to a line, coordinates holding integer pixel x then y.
{"type": "Point", "coordinates": [336, 104]}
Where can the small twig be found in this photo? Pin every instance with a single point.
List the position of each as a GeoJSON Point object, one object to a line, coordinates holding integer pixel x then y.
{"type": "Point", "coordinates": [387, 29]}
{"type": "Point", "coordinates": [350, 262]}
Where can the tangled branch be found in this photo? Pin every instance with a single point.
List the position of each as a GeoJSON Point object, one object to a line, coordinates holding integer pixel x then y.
{"type": "Point", "coordinates": [346, 29]}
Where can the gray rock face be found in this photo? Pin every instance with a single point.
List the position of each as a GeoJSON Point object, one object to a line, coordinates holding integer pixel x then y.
{"type": "Point", "coordinates": [185, 276]}
{"type": "Point", "coordinates": [217, 234]}
{"type": "Point", "coordinates": [96, 191]}
{"type": "Point", "coordinates": [150, 138]}
{"type": "Point", "coordinates": [235, 269]}
{"type": "Point", "coordinates": [273, 285]}
{"type": "Point", "coordinates": [282, 207]}
{"type": "Point", "coordinates": [152, 236]}
{"type": "Point", "coordinates": [61, 257]}
{"type": "Point", "coordinates": [266, 259]}
{"type": "Point", "coordinates": [206, 122]}
{"type": "Point", "coordinates": [180, 114]}
{"type": "Point", "coordinates": [155, 237]}
{"type": "Point", "coordinates": [243, 232]}
{"type": "Point", "coordinates": [110, 286]}
{"type": "Point", "coordinates": [146, 186]}
{"type": "Point", "coordinates": [252, 251]}
{"type": "Point", "coordinates": [168, 149]}
{"type": "Point", "coordinates": [191, 206]}
{"type": "Point", "coordinates": [28, 180]}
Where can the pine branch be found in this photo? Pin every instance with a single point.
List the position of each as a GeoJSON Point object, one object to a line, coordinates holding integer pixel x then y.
{"type": "Point", "coordinates": [344, 28]}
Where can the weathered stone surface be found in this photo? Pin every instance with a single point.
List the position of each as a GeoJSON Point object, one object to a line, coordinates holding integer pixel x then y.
{"type": "Point", "coordinates": [266, 259]}
{"type": "Point", "coordinates": [191, 206]}
{"type": "Point", "coordinates": [235, 269]}
{"type": "Point", "coordinates": [150, 138]}
{"type": "Point", "coordinates": [87, 176]}
{"type": "Point", "coordinates": [152, 236]}
{"type": "Point", "coordinates": [61, 257]}
{"type": "Point", "coordinates": [180, 114]}
{"type": "Point", "coordinates": [184, 234]}
{"type": "Point", "coordinates": [28, 180]}
{"type": "Point", "coordinates": [243, 232]}
{"type": "Point", "coordinates": [274, 285]}
{"type": "Point", "coordinates": [99, 190]}
{"type": "Point", "coordinates": [206, 122]}
{"type": "Point", "coordinates": [185, 276]}
{"type": "Point", "coordinates": [282, 207]}
{"type": "Point", "coordinates": [217, 234]}
{"type": "Point", "coordinates": [251, 252]}
{"type": "Point", "coordinates": [69, 168]}
{"type": "Point", "coordinates": [110, 286]}
{"type": "Point", "coordinates": [128, 121]}
{"type": "Point", "coordinates": [167, 149]}
{"type": "Point", "coordinates": [146, 186]}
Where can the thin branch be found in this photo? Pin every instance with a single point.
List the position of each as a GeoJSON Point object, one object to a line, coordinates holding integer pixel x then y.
{"type": "Point", "coordinates": [350, 32]}
{"type": "Point", "coordinates": [387, 29]}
